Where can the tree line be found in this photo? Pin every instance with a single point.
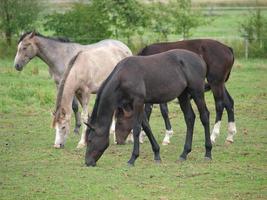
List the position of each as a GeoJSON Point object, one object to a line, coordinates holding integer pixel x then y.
{"type": "Point", "coordinates": [93, 20]}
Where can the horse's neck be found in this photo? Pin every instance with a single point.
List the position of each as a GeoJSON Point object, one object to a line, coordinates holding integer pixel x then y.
{"type": "Point", "coordinates": [56, 54]}
{"type": "Point", "coordinates": [105, 111]}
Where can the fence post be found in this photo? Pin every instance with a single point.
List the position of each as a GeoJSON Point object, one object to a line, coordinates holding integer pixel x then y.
{"type": "Point", "coordinates": [246, 46]}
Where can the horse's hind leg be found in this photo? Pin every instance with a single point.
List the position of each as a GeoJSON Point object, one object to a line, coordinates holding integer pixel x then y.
{"type": "Point", "coordinates": [153, 142]}
{"type": "Point", "coordinates": [204, 117]}
{"type": "Point", "coordinates": [189, 117]}
{"type": "Point", "coordinates": [229, 105]}
{"type": "Point", "coordinates": [165, 114]}
{"type": "Point", "coordinates": [218, 94]}
{"type": "Point", "coordinates": [83, 99]}
{"type": "Point", "coordinates": [77, 115]}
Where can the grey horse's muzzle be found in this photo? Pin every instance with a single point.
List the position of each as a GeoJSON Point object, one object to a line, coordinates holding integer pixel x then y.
{"type": "Point", "coordinates": [18, 67]}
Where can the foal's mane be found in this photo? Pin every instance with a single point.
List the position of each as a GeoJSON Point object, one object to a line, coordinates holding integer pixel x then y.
{"type": "Point", "coordinates": [59, 39]}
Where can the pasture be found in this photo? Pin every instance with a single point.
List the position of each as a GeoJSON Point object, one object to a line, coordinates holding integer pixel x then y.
{"type": "Point", "coordinates": [32, 169]}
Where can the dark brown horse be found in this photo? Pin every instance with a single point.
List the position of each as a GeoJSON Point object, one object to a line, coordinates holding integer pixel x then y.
{"type": "Point", "coordinates": [138, 80]}
{"type": "Point", "coordinates": [219, 59]}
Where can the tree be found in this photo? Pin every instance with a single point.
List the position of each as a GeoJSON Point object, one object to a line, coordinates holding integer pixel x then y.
{"type": "Point", "coordinates": [125, 16]}
{"type": "Point", "coordinates": [98, 19]}
{"type": "Point", "coordinates": [254, 30]}
{"type": "Point", "coordinates": [160, 19]}
{"type": "Point", "coordinates": [184, 19]}
{"type": "Point", "coordinates": [254, 26]}
{"type": "Point", "coordinates": [84, 22]}
{"type": "Point", "coordinates": [17, 16]}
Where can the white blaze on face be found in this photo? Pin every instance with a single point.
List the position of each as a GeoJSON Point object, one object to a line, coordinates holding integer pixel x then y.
{"type": "Point", "coordinates": [215, 132]}
{"type": "Point", "coordinates": [61, 137]}
{"type": "Point", "coordinates": [17, 54]}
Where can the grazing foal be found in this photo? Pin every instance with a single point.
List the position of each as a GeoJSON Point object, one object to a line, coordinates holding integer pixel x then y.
{"type": "Point", "coordinates": [138, 80]}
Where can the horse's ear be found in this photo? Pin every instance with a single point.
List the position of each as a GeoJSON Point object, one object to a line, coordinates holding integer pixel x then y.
{"type": "Point", "coordinates": [32, 34]}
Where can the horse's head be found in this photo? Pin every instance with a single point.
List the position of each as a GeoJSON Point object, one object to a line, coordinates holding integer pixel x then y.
{"type": "Point", "coordinates": [124, 125]}
{"type": "Point", "coordinates": [61, 123]}
{"type": "Point", "coordinates": [26, 50]}
{"type": "Point", "coordinates": [97, 142]}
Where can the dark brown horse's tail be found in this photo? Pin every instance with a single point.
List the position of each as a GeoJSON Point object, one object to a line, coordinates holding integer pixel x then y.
{"type": "Point", "coordinates": [233, 60]}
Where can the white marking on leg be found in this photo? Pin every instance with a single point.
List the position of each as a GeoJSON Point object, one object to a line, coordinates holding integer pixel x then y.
{"type": "Point", "coordinates": [130, 137]}
{"type": "Point", "coordinates": [82, 142]}
{"type": "Point", "coordinates": [215, 132]}
{"type": "Point", "coordinates": [231, 132]}
{"type": "Point", "coordinates": [168, 135]}
{"type": "Point", "coordinates": [142, 137]}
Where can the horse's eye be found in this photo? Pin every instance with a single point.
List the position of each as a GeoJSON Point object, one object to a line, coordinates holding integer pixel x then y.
{"type": "Point", "coordinates": [24, 48]}
{"type": "Point", "coordinates": [63, 127]}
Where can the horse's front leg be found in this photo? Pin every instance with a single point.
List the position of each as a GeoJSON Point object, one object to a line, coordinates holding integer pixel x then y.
{"type": "Point", "coordinates": [84, 98]}
{"type": "Point", "coordinates": [138, 109]}
{"type": "Point", "coordinates": [153, 142]}
{"type": "Point", "coordinates": [77, 115]}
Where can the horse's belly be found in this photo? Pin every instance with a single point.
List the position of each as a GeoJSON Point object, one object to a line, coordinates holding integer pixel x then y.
{"type": "Point", "coordinates": [165, 92]}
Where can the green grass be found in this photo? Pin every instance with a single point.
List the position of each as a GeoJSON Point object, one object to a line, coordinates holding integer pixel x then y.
{"type": "Point", "coordinates": [31, 169]}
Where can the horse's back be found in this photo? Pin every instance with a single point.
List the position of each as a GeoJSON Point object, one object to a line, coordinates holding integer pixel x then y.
{"type": "Point", "coordinates": [162, 77]}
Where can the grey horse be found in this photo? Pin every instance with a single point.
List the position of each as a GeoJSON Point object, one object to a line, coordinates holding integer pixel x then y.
{"type": "Point", "coordinates": [55, 52]}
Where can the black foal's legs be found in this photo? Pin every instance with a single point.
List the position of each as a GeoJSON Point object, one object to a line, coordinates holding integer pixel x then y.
{"type": "Point", "coordinates": [136, 133]}
{"type": "Point", "coordinates": [153, 142]}
{"type": "Point", "coordinates": [218, 94]}
{"type": "Point", "coordinates": [189, 117]}
{"type": "Point", "coordinates": [204, 117]}
{"type": "Point", "coordinates": [138, 111]}
{"type": "Point", "coordinates": [165, 114]}
{"type": "Point", "coordinates": [77, 114]}
{"type": "Point", "coordinates": [229, 105]}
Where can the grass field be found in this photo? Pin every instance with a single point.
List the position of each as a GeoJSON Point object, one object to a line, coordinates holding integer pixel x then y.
{"type": "Point", "coordinates": [32, 169]}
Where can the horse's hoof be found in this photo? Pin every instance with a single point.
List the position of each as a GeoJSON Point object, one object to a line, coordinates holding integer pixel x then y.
{"type": "Point", "coordinates": [208, 159]}
{"type": "Point", "coordinates": [165, 143]}
{"type": "Point", "coordinates": [58, 146]}
{"type": "Point", "coordinates": [80, 146]}
{"type": "Point", "coordinates": [157, 161]}
{"type": "Point", "coordinates": [228, 142]}
{"type": "Point", "coordinates": [180, 160]}
{"type": "Point", "coordinates": [130, 164]}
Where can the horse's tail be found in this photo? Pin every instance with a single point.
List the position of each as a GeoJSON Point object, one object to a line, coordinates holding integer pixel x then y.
{"type": "Point", "coordinates": [62, 84]}
{"type": "Point", "coordinates": [232, 63]}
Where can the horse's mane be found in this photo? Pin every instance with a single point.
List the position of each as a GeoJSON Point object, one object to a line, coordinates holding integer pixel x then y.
{"type": "Point", "coordinates": [63, 81]}
{"type": "Point", "coordinates": [98, 97]}
{"type": "Point", "coordinates": [59, 39]}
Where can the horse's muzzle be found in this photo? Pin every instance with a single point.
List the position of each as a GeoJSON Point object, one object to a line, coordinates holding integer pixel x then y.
{"type": "Point", "coordinates": [90, 162]}
{"type": "Point", "coordinates": [18, 67]}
